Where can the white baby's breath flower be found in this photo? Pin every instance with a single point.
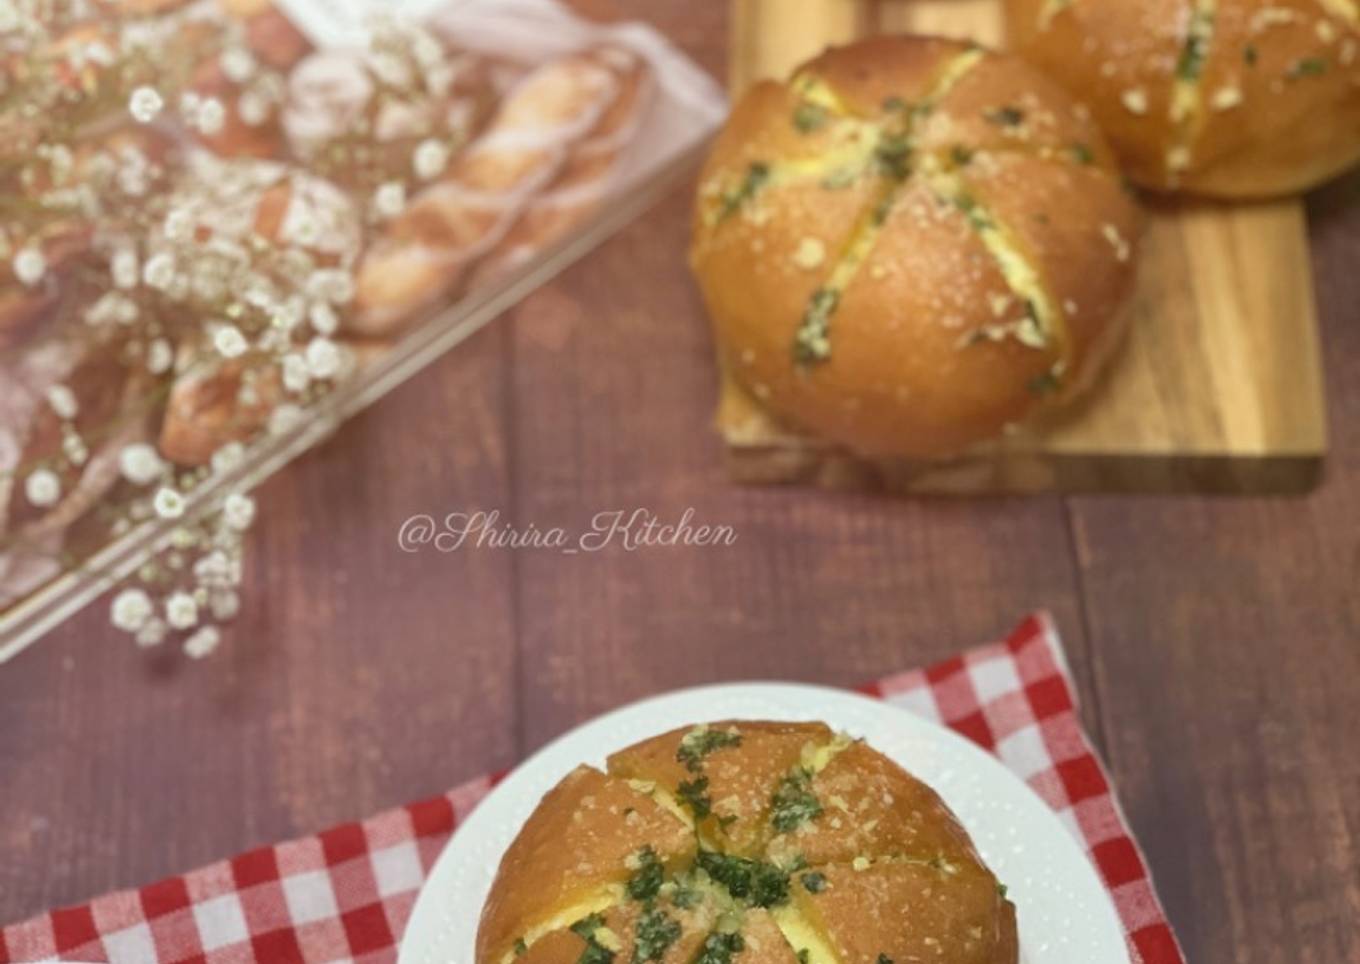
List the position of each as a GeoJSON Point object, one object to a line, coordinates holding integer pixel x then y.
{"type": "Point", "coordinates": [75, 449]}
{"type": "Point", "coordinates": [323, 319]}
{"type": "Point", "coordinates": [238, 511]}
{"type": "Point", "coordinates": [111, 308]}
{"type": "Point", "coordinates": [130, 610]}
{"type": "Point", "coordinates": [228, 457]}
{"type": "Point", "coordinates": [202, 643]}
{"type": "Point", "coordinates": [29, 266]}
{"type": "Point", "coordinates": [99, 53]}
{"type": "Point", "coordinates": [140, 464]}
{"type": "Point", "coordinates": [178, 224]}
{"type": "Point", "coordinates": [224, 604]}
{"type": "Point", "coordinates": [181, 611]}
{"type": "Point", "coordinates": [63, 402]}
{"type": "Point", "coordinates": [144, 104]}
{"type": "Point", "coordinates": [331, 284]}
{"type": "Point", "coordinates": [159, 357]}
{"type": "Point", "coordinates": [159, 271]}
{"type": "Point", "coordinates": [283, 418]}
{"type": "Point", "coordinates": [152, 633]}
{"type": "Point", "coordinates": [213, 570]}
{"type": "Point", "coordinates": [253, 108]}
{"type": "Point", "coordinates": [390, 69]}
{"type": "Point", "coordinates": [389, 200]}
{"type": "Point", "coordinates": [229, 341]}
{"type": "Point", "coordinates": [124, 269]}
{"type": "Point", "coordinates": [168, 503]}
{"type": "Point", "coordinates": [426, 47]}
{"type": "Point", "coordinates": [323, 358]}
{"type": "Point", "coordinates": [303, 227]}
{"type": "Point", "coordinates": [430, 159]}
{"type": "Point", "coordinates": [42, 487]}
{"type": "Point", "coordinates": [238, 63]}
{"type": "Point", "coordinates": [287, 315]}
{"type": "Point", "coordinates": [296, 378]}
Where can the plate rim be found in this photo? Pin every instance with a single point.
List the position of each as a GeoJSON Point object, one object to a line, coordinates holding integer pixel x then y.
{"type": "Point", "coordinates": [525, 772]}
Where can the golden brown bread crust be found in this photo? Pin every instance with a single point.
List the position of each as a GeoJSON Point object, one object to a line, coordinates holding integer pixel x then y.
{"type": "Point", "coordinates": [1227, 98]}
{"type": "Point", "coordinates": [961, 217]}
{"type": "Point", "coordinates": [836, 851]}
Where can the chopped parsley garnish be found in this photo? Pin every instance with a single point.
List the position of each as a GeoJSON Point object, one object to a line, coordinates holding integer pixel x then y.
{"type": "Point", "coordinates": [595, 952]}
{"type": "Point", "coordinates": [1307, 67]}
{"type": "Point", "coordinates": [794, 803]}
{"type": "Point", "coordinates": [720, 948]}
{"type": "Point", "coordinates": [960, 155]}
{"type": "Point", "coordinates": [804, 956]}
{"type": "Point", "coordinates": [654, 935]}
{"type": "Point", "coordinates": [808, 117]}
{"type": "Point", "coordinates": [813, 883]}
{"type": "Point", "coordinates": [883, 209]}
{"type": "Point", "coordinates": [586, 927]}
{"type": "Point", "coordinates": [699, 743]}
{"type": "Point", "coordinates": [1083, 153]}
{"type": "Point", "coordinates": [1191, 62]}
{"type": "Point", "coordinates": [756, 176]}
{"type": "Point", "coordinates": [694, 793]}
{"type": "Point", "coordinates": [894, 103]}
{"type": "Point", "coordinates": [646, 883]}
{"type": "Point", "coordinates": [1002, 890]}
{"type": "Point", "coordinates": [884, 959]}
{"type": "Point", "coordinates": [1250, 54]}
{"type": "Point", "coordinates": [812, 343]}
{"type": "Point", "coordinates": [726, 821]}
{"type": "Point", "coordinates": [686, 897]}
{"type": "Point", "coordinates": [751, 881]}
{"type": "Point", "coordinates": [977, 217]}
{"type": "Point", "coordinates": [1046, 384]}
{"type": "Point", "coordinates": [521, 947]}
{"type": "Point", "coordinates": [1006, 116]}
{"type": "Point", "coordinates": [893, 154]}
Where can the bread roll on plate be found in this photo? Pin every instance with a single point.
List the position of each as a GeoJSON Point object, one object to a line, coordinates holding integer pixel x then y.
{"type": "Point", "coordinates": [912, 244]}
{"type": "Point", "coordinates": [745, 843]}
{"type": "Point", "coordinates": [1228, 98]}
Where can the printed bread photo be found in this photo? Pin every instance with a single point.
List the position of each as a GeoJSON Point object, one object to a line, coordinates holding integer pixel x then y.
{"type": "Point", "coordinates": [913, 244]}
{"type": "Point", "coordinates": [1229, 98]}
{"type": "Point", "coordinates": [745, 843]}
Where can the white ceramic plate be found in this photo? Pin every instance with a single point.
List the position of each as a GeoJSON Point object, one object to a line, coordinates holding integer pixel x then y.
{"type": "Point", "coordinates": [1064, 911]}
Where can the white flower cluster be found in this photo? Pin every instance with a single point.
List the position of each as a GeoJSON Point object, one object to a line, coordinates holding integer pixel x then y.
{"type": "Point", "coordinates": [193, 586]}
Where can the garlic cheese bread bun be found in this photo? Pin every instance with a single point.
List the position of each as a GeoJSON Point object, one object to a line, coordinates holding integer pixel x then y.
{"type": "Point", "coordinates": [912, 244]}
{"type": "Point", "coordinates": [1227, 98]}
{"type": "Point", "coordinates": [745, 843]}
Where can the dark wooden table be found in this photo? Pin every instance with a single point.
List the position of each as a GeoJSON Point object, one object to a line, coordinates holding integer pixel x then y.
{"type": "Point", "coordinates": [1216, 640]}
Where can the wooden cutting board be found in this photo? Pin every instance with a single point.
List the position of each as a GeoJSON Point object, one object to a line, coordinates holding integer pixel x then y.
{"type": "Point", "coordinates": [1219, 386]}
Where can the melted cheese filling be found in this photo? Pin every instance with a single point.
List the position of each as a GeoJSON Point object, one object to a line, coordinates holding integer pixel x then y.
{"type": "Point", "coordinates": [1187, 94]}
{"type": "Point", "coordinates": [1345, 9]}
{"type": "Point", "coordinates": [815, 758]}
{"type": "Point", "coordinates": [819, 93]}
{"type": "Point", "coordinates": [597, 903]}
{"type": "Point", "coordinates": [802, 936]}
{"type": "Point", "coordinates": [1022, 278]}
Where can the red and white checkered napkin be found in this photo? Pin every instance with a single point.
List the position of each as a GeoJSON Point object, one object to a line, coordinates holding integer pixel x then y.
{"type": "Point", "coordinates": [345, 895]}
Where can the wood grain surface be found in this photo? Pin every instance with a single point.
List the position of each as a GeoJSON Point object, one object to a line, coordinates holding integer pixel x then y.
{"type": "Point", "coordinates": [1218, 386]}
{"type": "Point", "coordinates": [1216, 641]}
